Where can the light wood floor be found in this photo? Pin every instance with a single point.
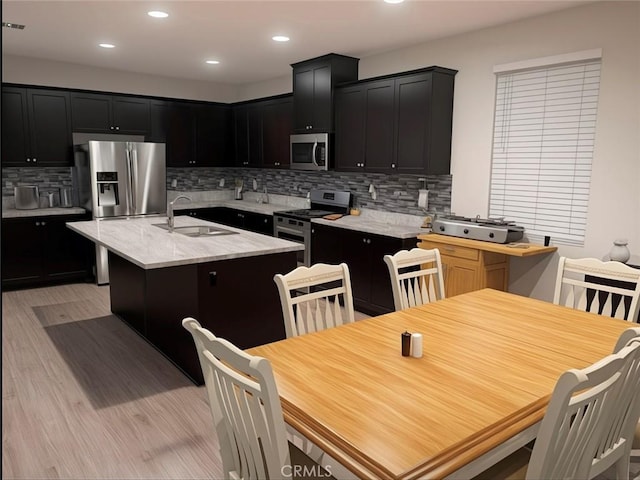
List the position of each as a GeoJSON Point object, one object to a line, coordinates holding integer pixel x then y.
{"type": "Point", "coordinates": [84, 397]}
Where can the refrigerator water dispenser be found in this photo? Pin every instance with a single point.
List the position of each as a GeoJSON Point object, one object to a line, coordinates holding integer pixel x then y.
{"type": "Point", "coordinates": [107, 189]}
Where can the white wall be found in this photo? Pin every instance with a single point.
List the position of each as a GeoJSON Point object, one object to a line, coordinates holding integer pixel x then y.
{"type": "Point", "coordinates": [614, 208]}
{"type": "Point", "coordinates": [68, 75]}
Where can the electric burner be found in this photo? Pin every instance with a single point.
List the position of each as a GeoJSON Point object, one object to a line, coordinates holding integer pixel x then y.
{"type": "Point", "coordinates": [497, 230]}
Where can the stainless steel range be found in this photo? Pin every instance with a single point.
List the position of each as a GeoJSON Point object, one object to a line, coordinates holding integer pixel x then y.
{"type": "Point", "coordinates": [495, 230]}
{"type": "Point", "coordinates": [295, 225]}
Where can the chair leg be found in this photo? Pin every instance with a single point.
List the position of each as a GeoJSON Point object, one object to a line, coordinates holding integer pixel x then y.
{"type": "Point", "coordinates": [622, 467]}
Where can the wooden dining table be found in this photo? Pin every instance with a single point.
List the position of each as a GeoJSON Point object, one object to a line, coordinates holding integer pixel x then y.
{"type": "Point", "coordinates": [490, 362]}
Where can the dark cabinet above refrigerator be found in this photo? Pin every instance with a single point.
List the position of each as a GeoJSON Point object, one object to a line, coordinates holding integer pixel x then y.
{"type": "Point", "coordinates": [103, 113]}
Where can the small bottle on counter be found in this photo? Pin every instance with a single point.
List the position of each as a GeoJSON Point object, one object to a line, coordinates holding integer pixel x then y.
{"type": "Point", "coordinates": [406, 344]}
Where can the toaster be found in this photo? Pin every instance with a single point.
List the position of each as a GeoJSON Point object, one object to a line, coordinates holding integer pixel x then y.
{"type": "Point", "coordinates": [26, 197]}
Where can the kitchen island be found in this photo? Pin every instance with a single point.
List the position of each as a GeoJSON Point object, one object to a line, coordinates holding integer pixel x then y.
{"type": "Point", "coordinates": [224, 280]}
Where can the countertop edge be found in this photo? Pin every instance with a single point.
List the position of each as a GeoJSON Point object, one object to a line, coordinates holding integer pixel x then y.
{"type": "Point", "coordinates": [375, 228]}
{"type": "Point", "coordinates": [42, 212]}
{"type": "Point", "coordinates": [505, 249]}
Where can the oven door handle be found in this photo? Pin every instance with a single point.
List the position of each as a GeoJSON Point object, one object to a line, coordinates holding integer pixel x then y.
{"type": "Point", "coordinates": [313, 154]}
{"type": "Point", "coordinates": [290, 230]}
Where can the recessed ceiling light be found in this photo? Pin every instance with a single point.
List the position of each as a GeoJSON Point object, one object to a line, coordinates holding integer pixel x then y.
{"type": "Point", "coordinates": [212, 62]}
{"type": "Point", "coordinates": [280, 38]}
{"type": "Point", "coordinates": [107, 45]}
{"type": "Point", "coordinates": [393, 1]}
{"type": "Point", "coordinates": [158, 14]}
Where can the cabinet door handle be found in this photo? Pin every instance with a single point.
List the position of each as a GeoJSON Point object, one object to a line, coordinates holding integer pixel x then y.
{"type": "Point", "coordinates": [117, 128]}
{"type": "Point", "coordinates": [393, 165]}
{"type": "Point", "coordinates": [35, 160]}
{"type": "Point", "coordinates": [43, 223]}
{"type": "Point", "coordinates": [37, 224]}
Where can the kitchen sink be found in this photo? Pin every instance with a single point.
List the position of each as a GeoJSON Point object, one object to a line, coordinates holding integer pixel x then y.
{"type": "Point", "coordinates": [197, 230]}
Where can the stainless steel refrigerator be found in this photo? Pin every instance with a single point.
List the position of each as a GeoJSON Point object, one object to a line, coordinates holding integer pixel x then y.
{"type": "Point", "coordinates": [119, 179]}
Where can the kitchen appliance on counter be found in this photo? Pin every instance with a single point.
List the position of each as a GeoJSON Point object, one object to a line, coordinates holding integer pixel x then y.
{"type": "Point", "coordinates": [66, 197]}
{"type": "Point", "coordinates": [26, 197]}
{"type": "Point", "coordinates": [119, 179]}
{"type": "Point", "coordinates": [237, 191]}
{"type": "Point", "coordinates": [310, 151]}
{"type": "Point", "coordinates": [495, 230]}
{"type": "Point", "coordinates": [295, 225]}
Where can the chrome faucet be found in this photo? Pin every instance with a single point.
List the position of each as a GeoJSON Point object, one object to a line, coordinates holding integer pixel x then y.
{"type": "Point", "coordinates": [170, 221]}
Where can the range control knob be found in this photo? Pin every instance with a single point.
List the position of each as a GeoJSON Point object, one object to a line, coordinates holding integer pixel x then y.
{"type": "Point", "coordinates": [466, 230]}
{"type": "Point", "coordinates": [491, 235]}
{"type": "Point", "coordinates": [442, 228]}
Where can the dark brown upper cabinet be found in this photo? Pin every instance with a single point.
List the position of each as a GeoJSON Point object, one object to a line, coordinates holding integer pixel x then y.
{"type": "Point", "coordinates": [36, 127]}
{"type": "Point", "coordinates": [277, 116]}
{"type": "Point", "coordinates": [313, 84]}
{"type": "Point", "coordinates": [364, 133]}
{"type": "Point", "coordinates": [159, 121]}
{"type": "Point", "coordinates": [396, 123]}
{"type": "Point", "coordinates": [423, 121]}
{"type": "Point", "coordinates": [196, 134]}
{"type": "Point", "coordinates": [103, 113]}
{"type": "Point", "coordinates": [261, 132]}
{"type": "Point", "coordinates": [180, 135]}
{"type": "Point", "coordinates": [212, 135]}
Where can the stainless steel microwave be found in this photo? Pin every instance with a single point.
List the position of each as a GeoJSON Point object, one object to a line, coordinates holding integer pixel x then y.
{"type": "Point", "coordinates": [310, 151]}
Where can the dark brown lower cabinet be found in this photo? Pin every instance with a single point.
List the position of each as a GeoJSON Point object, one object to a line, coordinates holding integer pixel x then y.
{"type": "Point", "coordinates": [363, 253]}
{"type": "Point", "coordinates": [40, 251]}
{"type": "Point", "coordinates": [236, 299]}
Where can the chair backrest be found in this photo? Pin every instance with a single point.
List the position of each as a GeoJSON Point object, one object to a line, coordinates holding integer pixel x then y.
{"type": "Point", "coordinates": [416, 277]}
{"type": "Point", "coordinates": [578, 418]}
{"type": "Point", "coordinates": [616, 445]}
{"type": "Point", "coordinates": [245, 406]}
{"type": "Point", "coordinates": [605, 288]}
{"type": "Point", "coordinates": [311, 298]}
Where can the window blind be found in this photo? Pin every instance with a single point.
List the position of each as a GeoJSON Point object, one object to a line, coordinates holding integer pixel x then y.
{"type": "Point", "coordinates": [543, 139]}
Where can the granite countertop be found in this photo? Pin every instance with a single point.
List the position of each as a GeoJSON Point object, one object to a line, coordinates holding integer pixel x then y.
{"type": "Point", "coordinates": [41, 212]}
{"type": "Point", "coordinates": [245, 205]}
{"type": "Point", "coordinates": [389, 224]}
{"type": "Point", "coordinates": [149, 247]}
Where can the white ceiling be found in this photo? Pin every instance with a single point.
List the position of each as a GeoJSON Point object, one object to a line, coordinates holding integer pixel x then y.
{"type": "Point", "coordinates": [238, 33]}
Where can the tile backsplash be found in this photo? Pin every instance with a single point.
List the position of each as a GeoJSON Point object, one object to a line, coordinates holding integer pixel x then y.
{"type": "Point", "coordinates": [395, 193]}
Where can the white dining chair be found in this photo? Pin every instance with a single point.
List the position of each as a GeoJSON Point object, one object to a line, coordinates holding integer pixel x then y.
{"type": "Point", "coordinates": [632, 433]}
{"type": "Point", "coordinates": [416, 277]}
{"type": "Point", "coordinates": [615, 447]}
{"type": "Point", "coordinates": [582, 421]}
{"type": "Point", "coordinates": [246, 411]}
{"type": "Point", "coordinates": [315, 298]}
{"type": "Point", "coordinates": [577, 286]}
